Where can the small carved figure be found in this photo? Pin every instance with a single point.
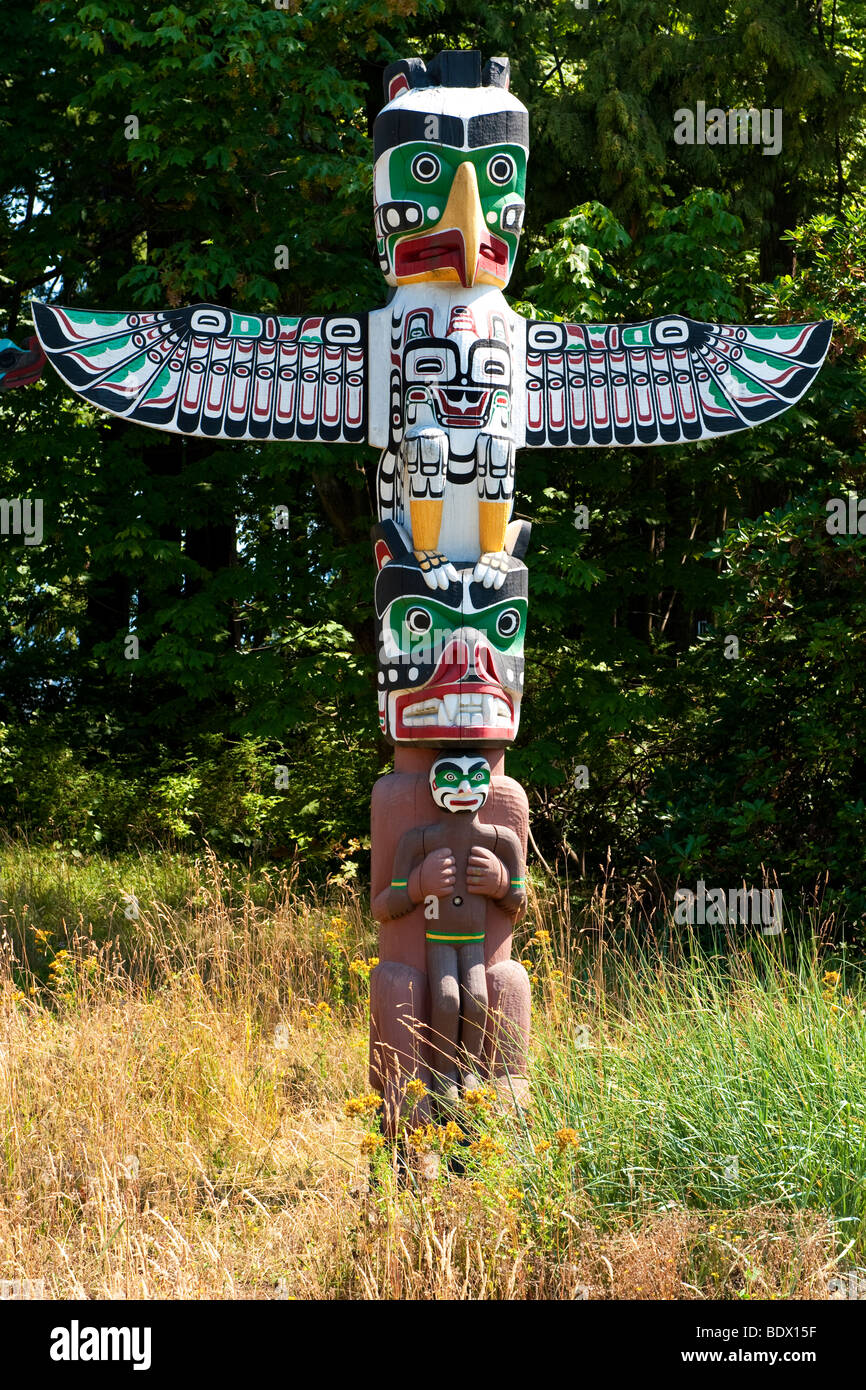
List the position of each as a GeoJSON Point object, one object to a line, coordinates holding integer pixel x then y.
{"type": "Point", "coordinates": [454, 865]}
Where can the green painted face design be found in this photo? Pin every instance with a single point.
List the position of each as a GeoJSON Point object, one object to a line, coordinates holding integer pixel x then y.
{"type": "Point", "coordinates": [420, 627]}
{"type": "Point", "coordinates": [420, 176]}
{"type": "Point", "coordinates": [460, 784]}
{"type": "Point", "coordinates": [450, 776]}
{"type": "Point", "coordinates": [425, 174]}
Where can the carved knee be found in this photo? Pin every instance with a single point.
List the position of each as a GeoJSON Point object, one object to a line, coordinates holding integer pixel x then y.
{"type": "Point", "coordinates": [445, 997]}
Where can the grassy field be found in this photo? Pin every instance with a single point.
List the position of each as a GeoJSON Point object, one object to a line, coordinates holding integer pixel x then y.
{"type": "Point", "coordinates": [185, 1113]}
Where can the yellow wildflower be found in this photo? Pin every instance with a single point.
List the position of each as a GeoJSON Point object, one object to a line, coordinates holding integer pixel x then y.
{"type": "Point", "coordinates": [481, 1099]}
{"type": "Point", "coordinates": [831, 977]}
{"type": "Point", "coordinates": [416, 1088]}
{"type": "Point", "coordinates": [423, 1137]}
{"type": "Point", "coordinates": [485, 1147]}
{"type": "Point", "coordinates": [450, 1135]}
{"type": "Point", "coordinates": [371, 1142]}
{"type": "Point", "coordinates": [362, 1105]}
{"type": "Point", "coordinates": [316, 1017]}
{"type": "Point", "coordinates": [541, 938]}
{"type": "Point", "coordinates": [567, 1139]}
{"type": "Point", "coordinates": [430, 1136]}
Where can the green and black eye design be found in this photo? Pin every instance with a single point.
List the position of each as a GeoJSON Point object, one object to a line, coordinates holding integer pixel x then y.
{"type": "Point", "coordinates": [422, 626]}
{"type": "Point", "coordinates": [417, 172]}
{"type": "Point", "coordinates": [448, 773]}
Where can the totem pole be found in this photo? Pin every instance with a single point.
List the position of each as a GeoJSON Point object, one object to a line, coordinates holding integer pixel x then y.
{"type": "Point", "coordinates": [448, 382]}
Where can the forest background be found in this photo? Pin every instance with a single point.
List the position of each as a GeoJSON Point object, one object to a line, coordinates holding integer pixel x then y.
{"type": "Point", "coordinates": [245, 573]}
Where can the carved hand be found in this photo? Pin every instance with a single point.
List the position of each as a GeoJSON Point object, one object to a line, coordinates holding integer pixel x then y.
{"type": "Point", "coordinates": [485, 874]}
{"type": "Point", "coordinates": [438, 873]}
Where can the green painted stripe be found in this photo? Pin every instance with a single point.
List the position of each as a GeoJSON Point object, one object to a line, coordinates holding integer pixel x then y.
{"type": "Point", "coordinates": [399, 883]}
{"type": "Point", "coordinates": [517, 882]}
{"type": "Point", "coordinates": [453, 937]}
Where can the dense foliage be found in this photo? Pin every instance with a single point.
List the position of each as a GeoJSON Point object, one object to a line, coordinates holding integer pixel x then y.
{"type": "Point", "coordinates": [254, 636]}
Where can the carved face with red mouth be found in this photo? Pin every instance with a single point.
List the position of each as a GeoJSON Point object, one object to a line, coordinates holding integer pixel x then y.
{"type": "Point", "coordinates": [460, 784]}
{"type": "Point", "coordinates": [449, 185]}
{"type": "Point", "coordinates": [450, 664]}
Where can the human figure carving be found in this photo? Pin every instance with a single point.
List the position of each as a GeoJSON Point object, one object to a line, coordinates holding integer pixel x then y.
{"type": "Point", "coordinates": [454, 865]}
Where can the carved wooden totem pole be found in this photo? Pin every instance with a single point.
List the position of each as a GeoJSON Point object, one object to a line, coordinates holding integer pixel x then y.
{"type": "Point", "coordinates": [448, 382]}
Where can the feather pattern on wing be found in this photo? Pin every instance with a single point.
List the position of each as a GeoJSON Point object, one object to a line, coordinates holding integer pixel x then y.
{"type": "Point", "coordinates": [665, 381]}
{"type": "Point", "coordinates": [214, 372]}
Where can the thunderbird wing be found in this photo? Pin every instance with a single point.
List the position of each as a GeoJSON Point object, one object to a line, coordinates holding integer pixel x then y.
{"type": "Point", "coordinates": [214, 372]}
{"type": "Point", "coordinates": [665, 381]}
{"type": "Point", "coordinates": [20, 366]}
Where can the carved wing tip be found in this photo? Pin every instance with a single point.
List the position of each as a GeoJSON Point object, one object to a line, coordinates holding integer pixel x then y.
{"type": "Point", "coordinates": [43, 317]}
{"type": "Point", "coordinates": [824, 337]}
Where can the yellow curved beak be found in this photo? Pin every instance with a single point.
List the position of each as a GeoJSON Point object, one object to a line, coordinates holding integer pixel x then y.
{"type": "Point", "coordinates": [463, 213]}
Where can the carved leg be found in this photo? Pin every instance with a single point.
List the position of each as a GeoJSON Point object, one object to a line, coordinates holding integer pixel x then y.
{"type": "Point", "coordinates": [444, 988]}
{"type": "Point", "coordinates": [473, 978]}
{"type": "Point", "coordinates": [398, 1007]}
{"type": "Point", "coordinates": [507, 1040]}
{"type": "Point", "coordinates": [495, 474]}
{"type": "Point", "coordinates": [425, 456]}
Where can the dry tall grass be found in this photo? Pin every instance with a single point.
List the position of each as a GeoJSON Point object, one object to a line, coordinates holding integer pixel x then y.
{"type": "Point", "coordinates": [173, 1111]}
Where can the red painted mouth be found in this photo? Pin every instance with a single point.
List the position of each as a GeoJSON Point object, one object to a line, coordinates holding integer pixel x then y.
{"type": "Point", "coordinates": [419, 255]}
{"type": "Point", "coordinates": [423, 715]}
{"type": "Point", "coordinates": [493, 256]}
{"type": "Point", "coordinates": [470, 415]}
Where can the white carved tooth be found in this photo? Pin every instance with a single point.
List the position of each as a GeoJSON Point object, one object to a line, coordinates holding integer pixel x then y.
{"type": "Point", "coordinates": [452, 708]}
{"type": "Point", "coordinates": [488, 705]}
